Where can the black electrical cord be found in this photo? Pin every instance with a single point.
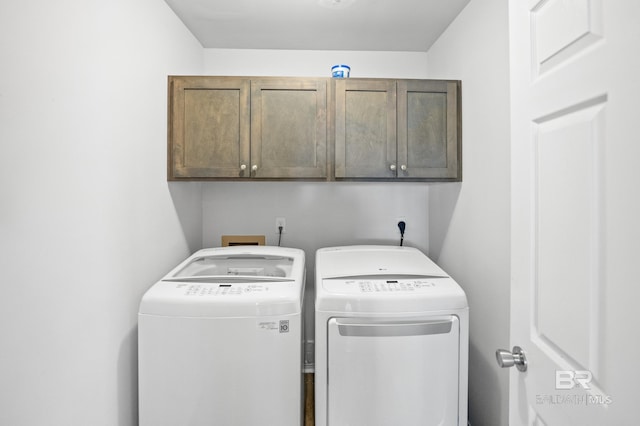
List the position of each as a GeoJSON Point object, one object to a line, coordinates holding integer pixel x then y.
{"type": "Point", "coordinates": [279, 235]}
{"type": "Point", "coordinates": [401, 226]}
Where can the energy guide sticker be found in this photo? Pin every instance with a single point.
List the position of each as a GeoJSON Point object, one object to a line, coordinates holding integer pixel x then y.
{"type": "Point", "coordinates": [268, 325]}
{"type": "Point", "coordinates": [281, 326]}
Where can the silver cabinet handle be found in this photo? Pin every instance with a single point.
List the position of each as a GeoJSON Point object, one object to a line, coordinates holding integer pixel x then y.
{"type": "Point", "coordinates": [403, 167]}
{"type": "Point", "coordinates": [508, 359]}
{"type": "Point", "coordinates": [254, 167]}
{"type": "Point", "coordinates": [243, 167]}
{"type": "Point", "coordinates": [392, 167]}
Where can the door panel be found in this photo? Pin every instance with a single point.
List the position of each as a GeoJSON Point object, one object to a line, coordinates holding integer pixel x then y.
{"type": "Point", "coordinates": [574, 228]}
{"type": "Point", "coordinates": [567, 209]}
{"type": "Point", "coordinates": [562, 29]}
{"type": "Point", "coordinates": [365, 121]}
{"type": "Point", "coordinates": [207, 137]}
{"type": "Point", "coordinates": [289, 128]}
{"type": "Point", "coordinates": [209, 127]}
{"type": "Point", "coordinates": [428, 129]}
{"type": "Point", "coordinates": [393, 373]}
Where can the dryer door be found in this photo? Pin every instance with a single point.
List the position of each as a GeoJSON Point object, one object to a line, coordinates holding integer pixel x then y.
{"type": "Point", "coordinates": [393, 372]}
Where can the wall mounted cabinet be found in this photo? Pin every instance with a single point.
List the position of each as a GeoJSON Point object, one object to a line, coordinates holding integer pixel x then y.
{"type": "Point", "coordinates": [397, 129]}
{"type": "Point", "coordinates": [238, 128]}
{"type": "Point", "coordinates": [285, 128]}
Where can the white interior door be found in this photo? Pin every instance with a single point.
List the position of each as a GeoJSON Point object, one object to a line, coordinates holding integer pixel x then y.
{"type": "Point", "coordinates": [575, 211]}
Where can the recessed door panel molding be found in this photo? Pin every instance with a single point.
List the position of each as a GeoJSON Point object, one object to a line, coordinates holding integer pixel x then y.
{"type": "Point", "coordinates": [297, 121]}
{"type": "Point", "coordinates": [568, 234]}
{"type": "Point", "coordinates": [536, 420]}
{"type": "Point", "coordinates": [204, 110]}
{"type": "Point", "coordinates": [427, 120]}
{"type": "Point", "coordinates": [563, 28]}
{"type": "Point", "coordinates": [289, 128]}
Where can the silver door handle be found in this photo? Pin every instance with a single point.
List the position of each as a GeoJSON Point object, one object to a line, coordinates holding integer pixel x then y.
{"type": "Point", "coordinates": [508, 359]}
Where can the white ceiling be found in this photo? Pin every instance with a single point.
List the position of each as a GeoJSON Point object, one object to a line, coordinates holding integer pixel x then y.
{"type": "Point", "coordinates": [383, 25]}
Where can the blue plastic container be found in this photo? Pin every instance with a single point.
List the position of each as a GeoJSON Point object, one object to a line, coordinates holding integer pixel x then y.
{"type": "Point", "coordinates": [340, 71]}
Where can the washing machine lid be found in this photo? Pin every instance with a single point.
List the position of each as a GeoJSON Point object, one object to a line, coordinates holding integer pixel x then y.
{"type": "Point", "coordinates": [241, 281]}
{"type": "Point", "coordinates": [381, 279]}
{"type": "Point", "coordinates": [240, 263]}
{"type": "Point", "coordinates": [354, 261]}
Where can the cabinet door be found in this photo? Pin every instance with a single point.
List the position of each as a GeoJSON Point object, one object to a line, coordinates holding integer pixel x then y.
{"type": "Point", "coordinates": [365, 144]}
{"type": "Point", "coordinates": [428, 129]}
{"type": "Point", "coordinates": [289, 128]}
{"type": "Point", "coordinates": [208, 127]}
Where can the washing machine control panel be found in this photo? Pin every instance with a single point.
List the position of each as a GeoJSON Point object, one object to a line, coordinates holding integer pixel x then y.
{"type": "Point", "coordinates": [209, 289]}
{"type": "Point", "coordinates": [374, 285]}
{"type": "Point", "coordinates": [222, 289]}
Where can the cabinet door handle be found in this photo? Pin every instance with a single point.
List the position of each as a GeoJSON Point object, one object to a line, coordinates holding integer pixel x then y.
{"type": "Point", "coordinates": [254, 167]}
{"type": "Point", "coordinates": [392, 167]}
{"type": "Point", "coordinates": [243, 167]}
{"type": "Point", "coordinates": [403, 167]}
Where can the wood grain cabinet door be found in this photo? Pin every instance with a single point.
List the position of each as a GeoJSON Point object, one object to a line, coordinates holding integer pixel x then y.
{"type": "Point", "coordinates": [365, 128]}
{"type": "Point", "coordinates": [428, 129]}
{"type": "Point", "coordinates": [289, 128]}
{"type": "Point", "coordinates": [209, 128]}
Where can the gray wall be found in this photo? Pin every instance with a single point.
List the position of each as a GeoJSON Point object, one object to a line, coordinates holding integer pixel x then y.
{"type": "Point", "coordinates": [469, 222]}
{"type": "Point", "coordinates": [87, 219]}
{"type": "Point", "coordinates": [318, 214]}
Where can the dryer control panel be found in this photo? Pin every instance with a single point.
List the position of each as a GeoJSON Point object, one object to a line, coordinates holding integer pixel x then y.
{"type": "Point", "coordinates": [367, 286]}
{"type": "Point", "coordinates": [377, 285]}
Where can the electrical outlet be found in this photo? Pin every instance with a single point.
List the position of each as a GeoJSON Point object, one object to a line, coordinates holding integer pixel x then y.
{"type": "Point", "coordinates": [280, 221]}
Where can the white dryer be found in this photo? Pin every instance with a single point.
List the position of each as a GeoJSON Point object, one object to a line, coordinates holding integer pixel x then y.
{"type": "Point", "coordinates": [220, 340]}
{"type": "Point", "coordinates": [391, 339]}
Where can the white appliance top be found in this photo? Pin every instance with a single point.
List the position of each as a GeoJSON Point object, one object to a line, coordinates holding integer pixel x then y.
{"type": "Point", "coordinates": [379, 279]}
{"type": "Point", "coordinates": [238, 281]}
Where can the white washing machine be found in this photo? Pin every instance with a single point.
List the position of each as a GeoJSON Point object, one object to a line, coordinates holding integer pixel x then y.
{"type": "Point", "coordinates": [392, 332]}
{"type": "Point", "coordinates": [220, 340]}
